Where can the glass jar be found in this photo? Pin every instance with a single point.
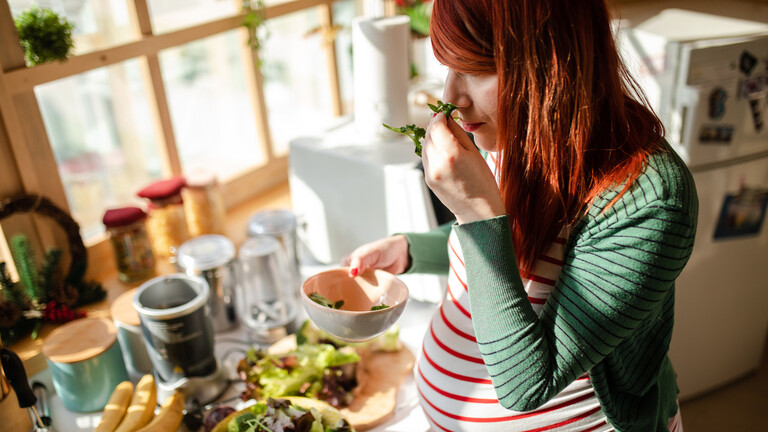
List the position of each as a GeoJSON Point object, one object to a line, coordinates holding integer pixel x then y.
{"type": "Point", "coordinates": [280, 224]}
{"type": "Point", "coordinates": [166, 222]}
{"type": "Point", "coordinates": [203, 205]}
{"type": "Point", "coordinates": [130, 243]}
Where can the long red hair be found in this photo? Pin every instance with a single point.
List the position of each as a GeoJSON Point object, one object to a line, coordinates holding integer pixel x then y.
{"type": "Point", "coordinates": [571, 121]}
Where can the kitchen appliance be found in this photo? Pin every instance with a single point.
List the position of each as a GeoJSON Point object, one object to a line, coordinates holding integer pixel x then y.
{"type": "Point", "coordinates": [706, 77]}
{"type": "Point", "coordinates": [268, 306]}
{"type": "Point", "coordinates": [212, 257]}
{"type": "Point", "coordinates": [280, 224]}
{"type": "Point", "coordinates": [348, 190]}
{"type": "Point", "coordinates": [178, 335]}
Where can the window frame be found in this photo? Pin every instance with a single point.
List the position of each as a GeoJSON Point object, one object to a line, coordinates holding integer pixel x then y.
{"type": "Point", "coordinates": [27, 162]}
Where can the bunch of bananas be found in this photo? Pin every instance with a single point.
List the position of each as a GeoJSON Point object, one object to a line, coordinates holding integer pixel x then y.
{"type": "Point", "coordinates": [134, 411]}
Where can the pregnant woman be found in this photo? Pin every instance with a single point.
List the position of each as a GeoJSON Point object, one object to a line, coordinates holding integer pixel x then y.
{"type": "Point", "coordinates": [573, 220]}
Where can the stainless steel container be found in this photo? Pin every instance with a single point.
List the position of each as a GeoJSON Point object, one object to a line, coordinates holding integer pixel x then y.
{"type": "Point", "coordinates": [212, 257]}
{"type": "Point", "coordinates": [281, 224]}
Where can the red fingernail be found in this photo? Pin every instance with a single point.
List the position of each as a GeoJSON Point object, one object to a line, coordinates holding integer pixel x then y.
{"type": "Point", "coordinates": [433, 115]}
{"type": "Point", "coordinates": [353, 272]}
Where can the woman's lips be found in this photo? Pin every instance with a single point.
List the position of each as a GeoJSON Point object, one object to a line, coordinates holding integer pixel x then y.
{"type": "Point", "coordinates": [471, 127]}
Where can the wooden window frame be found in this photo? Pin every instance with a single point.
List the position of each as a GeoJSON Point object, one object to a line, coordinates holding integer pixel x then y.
{"type": "Point", "coordinates": [26, 157]}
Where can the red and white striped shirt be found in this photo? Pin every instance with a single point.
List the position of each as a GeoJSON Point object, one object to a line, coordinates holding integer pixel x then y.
{"type": "Point", "coordinates": [454, 387]}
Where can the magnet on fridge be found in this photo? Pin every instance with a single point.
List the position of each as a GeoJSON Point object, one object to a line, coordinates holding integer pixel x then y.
{"type": "Point", "coordinates": [716, 134]}
{"type": "Point", "coordinates": [742, 213]}
{"type": "Point", "coordinates": [747, 62]}
{"type": "Point", "coordinates": [717, 103]}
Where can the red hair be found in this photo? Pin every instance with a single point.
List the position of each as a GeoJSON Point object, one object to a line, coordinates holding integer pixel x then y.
{"type": "Point", "coordinates": [571, 121]}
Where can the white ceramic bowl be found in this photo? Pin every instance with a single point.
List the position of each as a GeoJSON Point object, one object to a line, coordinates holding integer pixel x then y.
{"type": "Point", "coordinates": [354, 321]}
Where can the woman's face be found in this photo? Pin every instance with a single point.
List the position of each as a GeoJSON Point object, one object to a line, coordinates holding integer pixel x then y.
{"type": "Point", "coordinates": [475, 96]}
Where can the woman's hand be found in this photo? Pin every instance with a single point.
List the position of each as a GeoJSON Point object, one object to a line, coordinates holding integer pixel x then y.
{"type": "Point", "coordinates": [457, 173]}
{"type": "Point", "coordinates": [389, 253]}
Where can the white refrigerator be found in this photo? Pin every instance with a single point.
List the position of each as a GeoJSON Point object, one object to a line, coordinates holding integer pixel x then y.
{"type": "Point", "coordinates": [707, 78]}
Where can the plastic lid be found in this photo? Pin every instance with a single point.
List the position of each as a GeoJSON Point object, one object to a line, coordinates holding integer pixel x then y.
{"type": "Point", "coordinates": [163, 189]}
{"type": "Point", "coordinates": [205, 252]}
{"type": "Point", "coordinates": [272, 222]}
{"type": "Point", "coordinates": [80, 340]}
{"type": "Point", "coordinates": [123, 216]}
{"type": "Point", "coordinates": [259, 246]}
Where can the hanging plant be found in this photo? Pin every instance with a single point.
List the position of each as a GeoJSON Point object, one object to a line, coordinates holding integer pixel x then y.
{"type": "Point", "coordinates": [255, 16]}
{"type": "Point", "coordinates": [44, 35]}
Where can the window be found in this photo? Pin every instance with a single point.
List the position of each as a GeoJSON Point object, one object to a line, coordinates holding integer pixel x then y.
{"type": "Point", "coordinates": [160, 87]}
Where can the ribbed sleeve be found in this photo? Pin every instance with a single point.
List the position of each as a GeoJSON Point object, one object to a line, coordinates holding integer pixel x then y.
{"type": "Point", "coordinates": [428, 251]}
{"type": "Point", "coordinates": [610, 312]}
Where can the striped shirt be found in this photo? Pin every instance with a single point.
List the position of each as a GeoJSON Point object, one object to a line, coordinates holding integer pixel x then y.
{"type": "Point", "coordinates": [609, 312]}
{"type": "Point", "coordinates": [455, 390]}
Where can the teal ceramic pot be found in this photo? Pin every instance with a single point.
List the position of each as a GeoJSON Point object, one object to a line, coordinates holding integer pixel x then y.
{"type": "Point", "coordinates": [86, 363]}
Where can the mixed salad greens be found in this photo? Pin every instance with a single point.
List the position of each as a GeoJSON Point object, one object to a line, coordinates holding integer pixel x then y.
{"type": "Point", "coordinates": [280, 415]}
{"type": "Point", "coordinates": [416, 133]}
{"type": "Point", "coordinates": [321, 367]}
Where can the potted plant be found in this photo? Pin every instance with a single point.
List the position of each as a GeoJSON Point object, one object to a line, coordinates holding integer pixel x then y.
{"type": "Point", "coordinates": [44, 35]}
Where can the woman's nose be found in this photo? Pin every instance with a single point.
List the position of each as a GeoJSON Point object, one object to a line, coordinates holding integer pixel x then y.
{"type": "Point", "coordinates": [453, 93]}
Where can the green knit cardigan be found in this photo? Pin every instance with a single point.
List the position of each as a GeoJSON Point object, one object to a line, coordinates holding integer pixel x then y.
{"type": "Point", "coordinates": [610, 312]}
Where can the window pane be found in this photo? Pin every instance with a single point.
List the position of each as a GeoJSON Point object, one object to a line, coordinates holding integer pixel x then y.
{"type": "Point", "coordinates": [295, 78]}
{"type": "Point", "coordinates": [101, 130]}
{"type": "Point", "coordinates": [169, 15]}
{"type": "Point", "coordinates": [343, 13]}
{"type": "Point", "coordinates": [97, 23]}
{"type": "Point", "coordinates": [212, 106]}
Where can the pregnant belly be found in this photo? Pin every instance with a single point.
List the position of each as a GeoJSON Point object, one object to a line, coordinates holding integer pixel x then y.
{"type": "Point", "coordinates": [457, 394]}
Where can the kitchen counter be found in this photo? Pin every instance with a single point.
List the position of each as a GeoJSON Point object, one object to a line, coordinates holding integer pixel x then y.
{"type": "Point", "coordinates": [408, 416]}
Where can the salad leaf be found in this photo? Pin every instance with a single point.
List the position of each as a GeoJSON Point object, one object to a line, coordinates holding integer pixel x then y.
{"type": "Point", "coordinates": [319, 299]}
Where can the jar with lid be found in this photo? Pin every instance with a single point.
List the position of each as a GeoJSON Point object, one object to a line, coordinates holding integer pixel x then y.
{"type": "Point", "coordinates": [166, 222]}
{"type": "Point", "coordinates": [203, 204]}
{"type": "Point", "coordinates": [130, 243]}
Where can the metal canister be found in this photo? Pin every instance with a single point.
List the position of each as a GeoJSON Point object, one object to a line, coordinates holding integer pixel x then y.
{"type": "Point", "coordinates": [281, 224]}
{"type": "Point", "coordinates": [212, 257]}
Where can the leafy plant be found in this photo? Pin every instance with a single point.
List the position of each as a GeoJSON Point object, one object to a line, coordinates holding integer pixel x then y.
{"type": "Point", "coordinates": [255, 16]}
{"type": "Point", "coordinates": [416, 133]}
{"type": "Point", "coordinates": [44, 35]}
{"type": "Point", "coordinates": [41, 294]}
{"type": "Point", "coordinates": [419, 12]}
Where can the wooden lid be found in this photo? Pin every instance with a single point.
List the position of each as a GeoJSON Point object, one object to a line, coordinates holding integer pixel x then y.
{"type": "Point", "coordinates": [123, 311]}
{"type": "Point", "coordinates": [80, 340]}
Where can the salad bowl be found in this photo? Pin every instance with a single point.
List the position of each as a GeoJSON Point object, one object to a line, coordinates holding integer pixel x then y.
{"type": "Point", "coordinates": [354, 309]}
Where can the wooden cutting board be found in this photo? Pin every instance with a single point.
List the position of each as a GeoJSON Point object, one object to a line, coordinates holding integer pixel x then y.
{"type": "Point", "coordinates": [379, 375]}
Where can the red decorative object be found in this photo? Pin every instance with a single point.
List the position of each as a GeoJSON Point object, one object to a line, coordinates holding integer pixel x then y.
{"type": "Point", "coordinates": [123, 216]}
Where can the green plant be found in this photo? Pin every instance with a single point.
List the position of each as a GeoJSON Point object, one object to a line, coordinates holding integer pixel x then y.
{"type": "Point", "coordinates": [419, 12]}
{"type": "Point", "coordinates": [255, 16]}
{"type": "Point", "coordinates": [416, 133]}
{"type": "Point", "coordinates": [44, 35]}
{"type": "Point", "coordinates": [41, 293]}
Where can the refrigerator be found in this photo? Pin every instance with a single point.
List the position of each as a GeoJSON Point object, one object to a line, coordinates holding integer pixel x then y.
{"type": "Point", "coordinates": [706, 77]}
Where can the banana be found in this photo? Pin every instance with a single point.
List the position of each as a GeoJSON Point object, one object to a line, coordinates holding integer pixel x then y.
{"type": "Point", "coordinates": [169, 417]}
{"type": "Point", "coordinates": [142, 407]}
{"type": "Point", "coordinates": [116, 407]}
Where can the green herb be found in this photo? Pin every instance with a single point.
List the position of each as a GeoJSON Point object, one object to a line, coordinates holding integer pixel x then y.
{"type": "Point", "coordinates": [319, 299]}
{"type": "Point", "coordinates": [445, 108]}
{"type": "Point", "coordinates": [44, 35]}
{"type": "Point", "coordinates": [413, 132]}
{"type": "Point", "coordinates": [379, 307]}
{"type": "Point", "coordinates": [416, 133]}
